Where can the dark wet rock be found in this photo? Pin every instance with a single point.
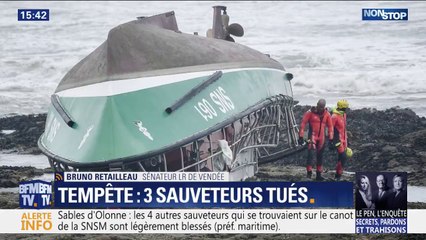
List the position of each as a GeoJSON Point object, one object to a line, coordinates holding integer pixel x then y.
{"type": "Point", "coordinates": [9, 200]}
{"type": "Point", "coordinates": [291, 173]}
{"type": "Point", "coordinates": [7, 183]}
{"type": "Point", "coordinates": [416, 205]}
{"type": "Point", "coordinates": [28, 128]}
{"type": "Point", "coordinates": [48, 170]}
{"type": "Point", "coordinates": [421, 154]}
{"type": "Point", "coordinates": [416, 139]}
{"type": "Point", "coordinates": [11, 176]}
{"type": "Point", "coordinates": [390, 149]}
{"type": "Point", "coordinates": [367, 145]}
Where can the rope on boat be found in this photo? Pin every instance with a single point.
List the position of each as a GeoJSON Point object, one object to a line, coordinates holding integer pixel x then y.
{"type": "Point", "coordinates": [61, 110]}
{"type": "Point", "coordinates": [194, 91]}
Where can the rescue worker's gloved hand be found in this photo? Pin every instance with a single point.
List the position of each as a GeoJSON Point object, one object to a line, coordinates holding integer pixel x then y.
{"type": "Point", "coordinates": [331, 145]}
{"type": "Point", "coordinates": [301, 141]}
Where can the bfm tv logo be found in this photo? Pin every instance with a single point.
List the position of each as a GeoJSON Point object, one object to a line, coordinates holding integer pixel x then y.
{"type": "Point", "coordinates": [35, 194]}
{"type": "Point", "coordinates": [385, 14]}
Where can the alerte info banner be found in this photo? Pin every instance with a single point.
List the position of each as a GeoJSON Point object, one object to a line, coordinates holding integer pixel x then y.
{"type": "Point", "coordinates": [185, 221]}
{"type": "Point", "coordinates": [199, 221]}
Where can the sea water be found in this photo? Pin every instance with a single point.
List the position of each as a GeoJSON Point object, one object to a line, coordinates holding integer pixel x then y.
{"type": "Point", "coordinates": [332, 53]}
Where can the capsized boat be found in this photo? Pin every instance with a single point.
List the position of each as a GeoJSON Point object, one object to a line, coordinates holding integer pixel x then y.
{"type": "Point", "coordinates": [151, 98]}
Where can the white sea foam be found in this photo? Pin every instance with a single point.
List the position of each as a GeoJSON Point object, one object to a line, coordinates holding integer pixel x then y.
{"type": "Point", "coordinates": [331, 51]}
{"type": "Point", "coordinates": [7, 132]}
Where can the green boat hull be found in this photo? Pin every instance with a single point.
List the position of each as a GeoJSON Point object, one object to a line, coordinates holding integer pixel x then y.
{"type": "Point", "coordinates": [151, 98]}
{"type": "Point", "coordinates": [112, 127]}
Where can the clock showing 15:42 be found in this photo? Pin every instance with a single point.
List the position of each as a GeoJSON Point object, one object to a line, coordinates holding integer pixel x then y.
{"type": "Point", "coordinates": [33, 14]}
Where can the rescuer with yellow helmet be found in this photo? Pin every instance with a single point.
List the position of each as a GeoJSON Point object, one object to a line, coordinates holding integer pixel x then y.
{"type": "Point", "coordinates": [340, 141]}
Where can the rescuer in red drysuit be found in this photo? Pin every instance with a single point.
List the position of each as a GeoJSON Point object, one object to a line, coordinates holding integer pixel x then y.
{"type": "Point", "coordinates": [318, 118]}
{"type": "Point", "coordinates": [340, 140]}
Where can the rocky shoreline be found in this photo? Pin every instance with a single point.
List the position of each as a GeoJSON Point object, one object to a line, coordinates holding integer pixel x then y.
{"type": "Point", "coordinates": [389, 140]}
{"type": "Point", "coordinates": [27, 129]}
